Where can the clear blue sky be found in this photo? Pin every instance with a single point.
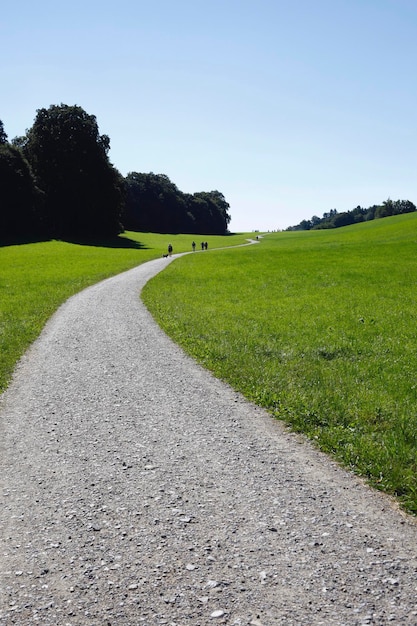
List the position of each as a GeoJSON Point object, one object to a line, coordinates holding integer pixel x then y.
{"type": "Point", "coordinates": [290, 108]}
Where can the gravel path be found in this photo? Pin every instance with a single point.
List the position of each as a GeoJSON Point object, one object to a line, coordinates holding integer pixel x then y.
{"type": "Point", "coordinates": [138, 489]}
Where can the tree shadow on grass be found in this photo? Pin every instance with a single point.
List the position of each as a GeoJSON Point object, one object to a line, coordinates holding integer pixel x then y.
{"type": "Point", "coordinates": [106, 242]}
{"type": "Point", "coordinates": [20, 241]}
{"type": "Point", "coordinates": [109, 242]}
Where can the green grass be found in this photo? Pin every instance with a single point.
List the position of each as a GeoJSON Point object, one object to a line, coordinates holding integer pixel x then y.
{"type": "Point", "coordinates": [36, 278]}
{"type": "Point", "coordinates": [320, 328]}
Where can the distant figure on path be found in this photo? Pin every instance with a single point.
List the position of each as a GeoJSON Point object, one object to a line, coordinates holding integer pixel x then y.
{"type": "Point", "coordinates": [202, 245]}
{"type": "Point", "coordinates": [206, 245]}
{"type": "Point", "coordinates": [169, 249]}
{"type": "Point", "coordinates": [193, 245]}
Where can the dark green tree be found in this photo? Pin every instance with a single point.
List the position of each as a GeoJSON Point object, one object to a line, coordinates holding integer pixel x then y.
{"type": "Point", "coordinates": [333, 219]}
{"type": "Point", "coordinates": [83, 191]}
{"type": "Point", "coordinates": [199, 213]}
{"type": "Point", "coordinates": [358, 214]}
{"type": "Point", "coordinates": [214, 218]}
{"type": "Point", "coordinates": [403, 206]}
{"type": "Point", "coordinates": [386, 209]}
{"type": "Point", "coordinates": [370, 213]}
{"type": "Point", "coordinates": [3, 136]}
{"type": "Point", "coordinates": [20, 199]}
{"type": "Point", "coordinates": [154, 203]}
{"type": "Point", "coordinates": [343, 219]}
{"type": "Point", "coordinates": [303, 225]}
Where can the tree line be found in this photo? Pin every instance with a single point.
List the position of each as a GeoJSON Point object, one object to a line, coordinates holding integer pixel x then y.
{"type": "Point", "coordinates": [333, 219]}
{"type": "Point", "coordinates": [56, 181]}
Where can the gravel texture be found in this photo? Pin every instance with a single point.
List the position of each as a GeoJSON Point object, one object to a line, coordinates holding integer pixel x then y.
{"type": "Point", "coordinates": [138, 489]}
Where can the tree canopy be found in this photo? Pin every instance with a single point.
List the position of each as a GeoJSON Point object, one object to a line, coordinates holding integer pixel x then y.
{"type": "Point", "coordinates": [333, 219]}
{"type": "Point", "coordinates": [61, 166]}
{"type": "Point", "coordinates": [154, 203]}
{"type": "Point", "coordinates": [20, 199]}
{"type": "Point", "coordinates": [83, 191]}
{"type": "Point", "coordinates": [3, 136]}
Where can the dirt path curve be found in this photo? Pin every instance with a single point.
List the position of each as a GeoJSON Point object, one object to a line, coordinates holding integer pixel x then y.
{"type": "Point", "coordinates": [138, 489]}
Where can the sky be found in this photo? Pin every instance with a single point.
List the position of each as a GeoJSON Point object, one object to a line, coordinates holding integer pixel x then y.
{"type": "Point", "coordinates": [289, 108]}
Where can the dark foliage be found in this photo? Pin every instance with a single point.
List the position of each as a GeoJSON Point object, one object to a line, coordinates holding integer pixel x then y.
{"type": "Point", "coordinates": [20, 200]}
{"type": "Point", "coordinates": [76, 194]}
{"type": "Point", "coordinates": [83, 191]}
{"type": "Point", "coordinates": [119, 241]}
{"type": "Point", "coordinates": [3, 136]}
{"type": "Point", "coordinates": [333, 219]}
{"type": "Point", "coordinates": [154, 203]}
{"type": "Point", "coordinates": [214, 218]}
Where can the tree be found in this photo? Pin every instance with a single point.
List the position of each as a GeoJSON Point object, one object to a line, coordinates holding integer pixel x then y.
{"type": "Point", "coordinates": [223, 217]}
{"type": "Point", "coordinates": [154, 203]}
{"type": "Point", "coordinates": [304, 225]}
{"type": "Point", "coordinates": [212, 216]}
{"type": "Point", "coordinates": [370, 213]}
{"type": "Point", "coordinates": [385, 210]}
{"type": "Point", "coordinates": [358, 214]}
{"type": "Point", "coordinates": [199, 214]}
{"type": "Point", "coordinates": [343, 219]}
{"type": "Point", "coordinates": [403, 206]}
{"type": "Point", "coordinates": [3, 136]}
{"type": "Point", "coordinates": [333, 219]}
{"type": "Point", "coordinates": [20, 199]}
{"type": "Point", "coordinates": [83, 191]}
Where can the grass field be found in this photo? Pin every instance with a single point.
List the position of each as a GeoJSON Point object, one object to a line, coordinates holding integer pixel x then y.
{"type": "Point", "coordinates": [36, 278]}
{"type": "Point", "coordinates": [320, 328]}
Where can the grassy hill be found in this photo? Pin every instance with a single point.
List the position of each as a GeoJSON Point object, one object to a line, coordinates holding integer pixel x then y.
{"type": "Point", "coordinates": [36, 278]}
{"type": "Point", "coordinates": [320, 328]}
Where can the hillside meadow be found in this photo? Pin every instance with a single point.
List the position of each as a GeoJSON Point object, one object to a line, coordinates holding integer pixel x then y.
{"type": "Point", "coordinates": [36, 278]}
{"type": "Point", "coordinates": [318, 327]}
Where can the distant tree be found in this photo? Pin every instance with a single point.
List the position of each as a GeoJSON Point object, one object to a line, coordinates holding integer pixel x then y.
{"type": "Point", "coordinates": [20, 199]}
{"type": "Point", "coordinates": [358, 214]}
{"type": "Point", "coordinates": [133, 216]}
{"type": "Point", "coordinates": [382, 211]}
{"type": "Point", "coordinates": [394, 207]}
{"type": "Point", "coordinates": [386, 209]}
{"type": "Point", "coordinates": [198, 213]}
{"type": "Point", "coordinates": [403, 206]}
{"type": "Point", "coordinates": [154, 203]}
{"type": "Point", "coordinates": [213, 213]}
{"type": "Point", "coordinates": [305, 225]}
{"type": "Point", "coordinates": [333, 219]}
{"type": "Point", "coordinates": [343, 219]}
{"type": "Point", "coordinates": [3, 136]}
{"type": "Point", "coordinates": [19, 142]}
{"type": "Point", "coordinates": [224, 217]}
{"type": "Point", "coordinates": [370, 213]}
{"type": "Point", "coordinates": [83, 191]}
